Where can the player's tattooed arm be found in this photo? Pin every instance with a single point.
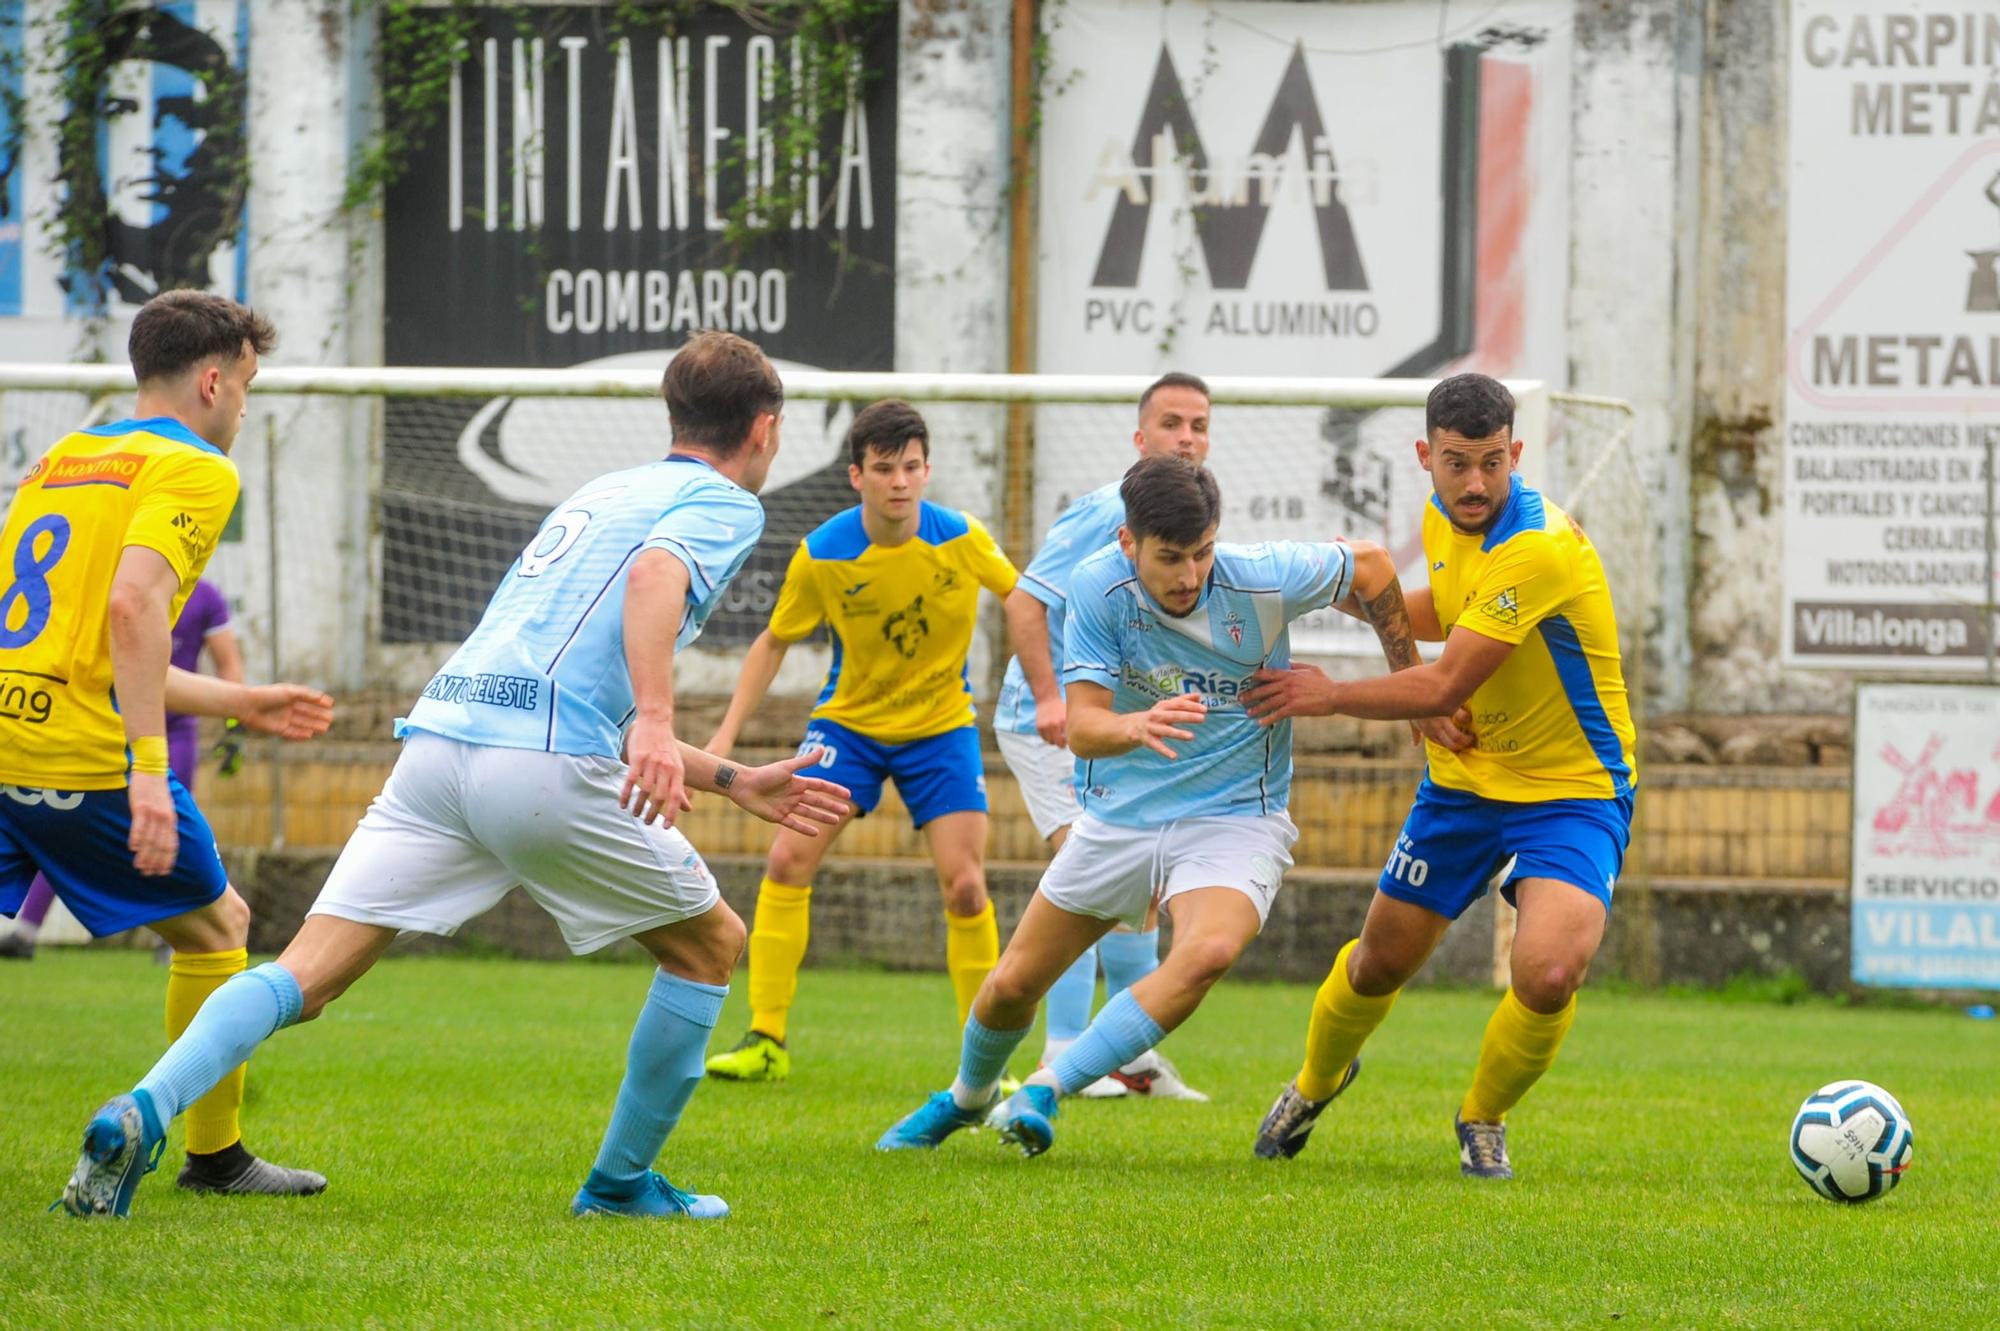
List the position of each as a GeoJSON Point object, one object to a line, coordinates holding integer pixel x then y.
{"type": "Point", "coordinates": [725, 776]}
{"type": "Point", "coordinates": [1391, 618]}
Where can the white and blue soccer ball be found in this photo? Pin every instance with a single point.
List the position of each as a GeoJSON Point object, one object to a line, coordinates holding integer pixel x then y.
{"type": "Point", "coordinates": [1851, 1141]}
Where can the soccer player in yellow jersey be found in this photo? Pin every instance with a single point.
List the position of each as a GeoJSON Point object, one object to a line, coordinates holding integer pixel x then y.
{"type": "Point", "coordinates": [896, 580]}
{"type": "Point", "coordinates": [1541, 803]}
{"type": "Point", "coordinates": [102, 544]}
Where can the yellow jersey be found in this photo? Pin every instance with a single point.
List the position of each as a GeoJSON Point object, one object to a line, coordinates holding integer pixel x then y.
{"type": "Point", "coordinates": [1552, 722]}
{"type": "Point", "coordinates": [151, 483]}
{"type": "Point", "coordinates": [901, 617]}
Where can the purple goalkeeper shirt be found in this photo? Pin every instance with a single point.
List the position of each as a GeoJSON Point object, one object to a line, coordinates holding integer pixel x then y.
{"type": "Point", "coordinates": [205, 612]}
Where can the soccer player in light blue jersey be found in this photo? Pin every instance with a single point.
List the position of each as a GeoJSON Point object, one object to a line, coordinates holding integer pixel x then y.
{"type": "Point", "coordinates": [1030, 726]}
{"type": "Point", "coordinates": [544, 754]}
{"type": "Point", "coordinates": [1183, 794]}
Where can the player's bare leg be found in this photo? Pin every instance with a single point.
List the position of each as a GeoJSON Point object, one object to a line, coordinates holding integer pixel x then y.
{"type": "Point", "coordinates": [1559, 931]}
{"type": "Point", "coordinates": [778, 940]}
{"type": "Point", "coordinates": [1360, 988]}
{"type": "Point", "coordinates": [972, 937]}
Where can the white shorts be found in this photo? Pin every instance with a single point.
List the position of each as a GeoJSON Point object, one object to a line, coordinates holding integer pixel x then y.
{"type": "Point", "coordinates": [1047, 777]}
{"type": "Point", "coordinates": [1115, 873]}
{"type": "Point", "coordinates": [458, 825]}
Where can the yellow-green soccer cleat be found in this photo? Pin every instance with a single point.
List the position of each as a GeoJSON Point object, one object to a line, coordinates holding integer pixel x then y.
{"type": "Point", "coordinates": [755, 1057]}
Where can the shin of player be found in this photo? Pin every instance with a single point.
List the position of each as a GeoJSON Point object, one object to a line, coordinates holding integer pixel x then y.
{"type": "Point", "coordinates": [1030, 726]}
{"type": "Point", "coordinates": [896, 580]}
{"type": "Point", "coordinates": [106, 539]}
{"type": "Point", "coordinates": [522, 783]}
{"type": "Point", "coordinates": [1183, 795]}
{"type": "Point", "coordinates": [1540, 806]}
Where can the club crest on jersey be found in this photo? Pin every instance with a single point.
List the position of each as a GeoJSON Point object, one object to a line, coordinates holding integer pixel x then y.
{"type": "Point", "coordinates": [907, 628]}
{"type": "Point", "coordinates": [1504, 607]}
{"type": "Point", "coordinates": [1233, 625]}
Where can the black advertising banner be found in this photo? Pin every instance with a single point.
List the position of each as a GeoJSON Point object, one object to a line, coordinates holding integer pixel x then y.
{"type": "Point", "coordinates": [587, 197]}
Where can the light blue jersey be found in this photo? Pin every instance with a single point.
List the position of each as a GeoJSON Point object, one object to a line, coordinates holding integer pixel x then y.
{"type": "Point", "coordinates": [1085, 527]}
{"type": "Point", "coordinates": [545, 668]}
{"type": "Point", "coordinates": [1118, 637]}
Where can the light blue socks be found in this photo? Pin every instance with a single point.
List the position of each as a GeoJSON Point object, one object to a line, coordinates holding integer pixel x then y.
{"type": "Point", "coordinates": [662, 1068]}
{"type": "Point", "coordinates": [1120, 1034]}
{"type": "Point", "coordinates": [1128, 959]}
{"type": "Point", "coordinates": [246, 1011]}
{"type": "Point", "coordinates": [1068, 1003]}
{"type": "Point", "coordinates": [981, 1062]}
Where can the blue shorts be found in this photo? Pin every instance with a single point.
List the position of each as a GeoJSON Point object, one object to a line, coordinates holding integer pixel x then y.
{"type": "Point", "coordinates": [77, 839]}
{"type": "Point", "coordinates": [936, 775]}
{"type": "Point", "coordinates": [1455, 845]}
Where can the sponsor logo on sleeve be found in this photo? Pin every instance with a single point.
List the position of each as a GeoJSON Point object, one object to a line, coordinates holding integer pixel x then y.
{"type": "Point", "coordinates": [1504, 607]}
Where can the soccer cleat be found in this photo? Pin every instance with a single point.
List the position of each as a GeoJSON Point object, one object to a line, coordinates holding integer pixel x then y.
{"type": "Point", "coordinates": [16, 948]}
{"type": "Point", "coordinates": [1482, 1149]}
{"type": "Point", "coordinates": [656, 1199]}
{"type": "Point", "coordinates": [1107, 1088]}
{"type": "Point", "coordinates": [1024, 1119]}
{"type": "Point", "coordinates": [929, 1124]}
{"type": "Point", "coordinates": [1151, 1074]}
{"type": "Point", "coordinates": [116, 1155]}
{"type": "Point", "coordinates": [246, 1175]}
{"type": "Point", "coordinates": [1284, 1130]}
{"type": "Point", "coordinates": [755, 1057]}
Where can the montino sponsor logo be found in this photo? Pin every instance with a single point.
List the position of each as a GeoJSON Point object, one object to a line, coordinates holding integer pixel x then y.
{"type": "Point", "coordinates": [119, 469]}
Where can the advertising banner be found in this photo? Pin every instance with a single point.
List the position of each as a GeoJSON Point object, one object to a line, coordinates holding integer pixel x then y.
{"type": "Point", "coordinates": [587, 198]}
{"type": "Point", "coordinates": [1892, 395]}
{"type": "Point", "coordinates": [1926, 879]}
{"type": "Point", "coordinates": [1284, 189]}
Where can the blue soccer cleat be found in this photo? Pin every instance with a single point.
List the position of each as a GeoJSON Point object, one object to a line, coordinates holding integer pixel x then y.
{"type": "Point", "coordinates": [656, 1199]}
{"type": "Point", "coordinates": [929, 1124]}
{"type": "Point", "coordinates": [1025, 1119]}
{"type": "Point", "coordinates": [1482, 1149]}
{"type": "Point", "coordinates": [116, 1155]}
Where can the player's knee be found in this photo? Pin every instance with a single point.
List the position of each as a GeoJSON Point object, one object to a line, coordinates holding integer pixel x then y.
{"type": "Point", "coordinates": [1206, 960]}
{"type": "Point", "coordinates": [787, 864]}
{"type": "Point", "coordinates": [236, 918]}
{"type": "Point", "coordinates": [964, 891]}
{"type": "Point", "coordinates": [1371, 974]}
{"type": "Point", "coordinates": [726, 941]}
{"type": "Point", "coordinates": [1006, 988]}
{"type": "Point", "coordinates": [1545, 986]}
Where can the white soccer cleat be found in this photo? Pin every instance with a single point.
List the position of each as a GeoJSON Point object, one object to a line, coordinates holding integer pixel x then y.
{"type": "Point", "coordinates": [1151, 1074]}
{"type": "Point", "coordinates": [1104, 1088]}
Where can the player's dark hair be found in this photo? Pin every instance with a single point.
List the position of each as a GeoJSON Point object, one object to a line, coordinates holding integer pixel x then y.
{"type": "Point", "coordinates": [888, 427]}
{"type": "Point", "coordinates": [1171, 379]}
{"type": "Point", "coordinates": [178, 330]}
{"type": "Point", "coordinates": [716, 387]}
{"type": "Point", "coordinates": [1170, 499]}
{"type": "Point", "coordinates": [1476, 406]}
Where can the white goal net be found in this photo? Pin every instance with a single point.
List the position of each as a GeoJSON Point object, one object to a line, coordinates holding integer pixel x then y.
{"type": "Point", "coordinates": [381, 506]}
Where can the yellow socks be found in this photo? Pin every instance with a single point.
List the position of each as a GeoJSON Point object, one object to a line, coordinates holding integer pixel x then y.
{"type": "Point", "coordinates": [1520, 1045]}
{"type": "Point", "coordinates": [212, 1121]}
{"type": "Point", "coordinates": [1342, 1021]}
{"type": "Point", "coordinates": [777, 946]}
{"type": "Point", "coordinates": [971, 951]}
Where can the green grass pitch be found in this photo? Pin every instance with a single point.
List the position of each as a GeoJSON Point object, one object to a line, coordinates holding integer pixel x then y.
{"type": "Point", "coordinates": [456, 1103]}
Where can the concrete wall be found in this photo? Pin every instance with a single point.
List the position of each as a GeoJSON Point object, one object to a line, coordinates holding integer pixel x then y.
{"type": "Point", "coordinates": [886, 913]}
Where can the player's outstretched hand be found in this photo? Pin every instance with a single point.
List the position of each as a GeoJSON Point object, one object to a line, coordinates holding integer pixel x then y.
{"type": "Point", "coordinates": [1298, 690]}
{"type": "Point", "coordinates": [1052, 722]}
{"type": "Point", "coordinates": [777, 793]}
{"type": "Point", "coordinates": [289, 711]}
{"type": "Point", "coordinates": [1454, 732]}
{"type": "Point", "coordinates": [656, 774]}
{"type": "Point", "coordinates": [155, 838]}
{"type": "Point", "coordinates": [1165, 720]}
